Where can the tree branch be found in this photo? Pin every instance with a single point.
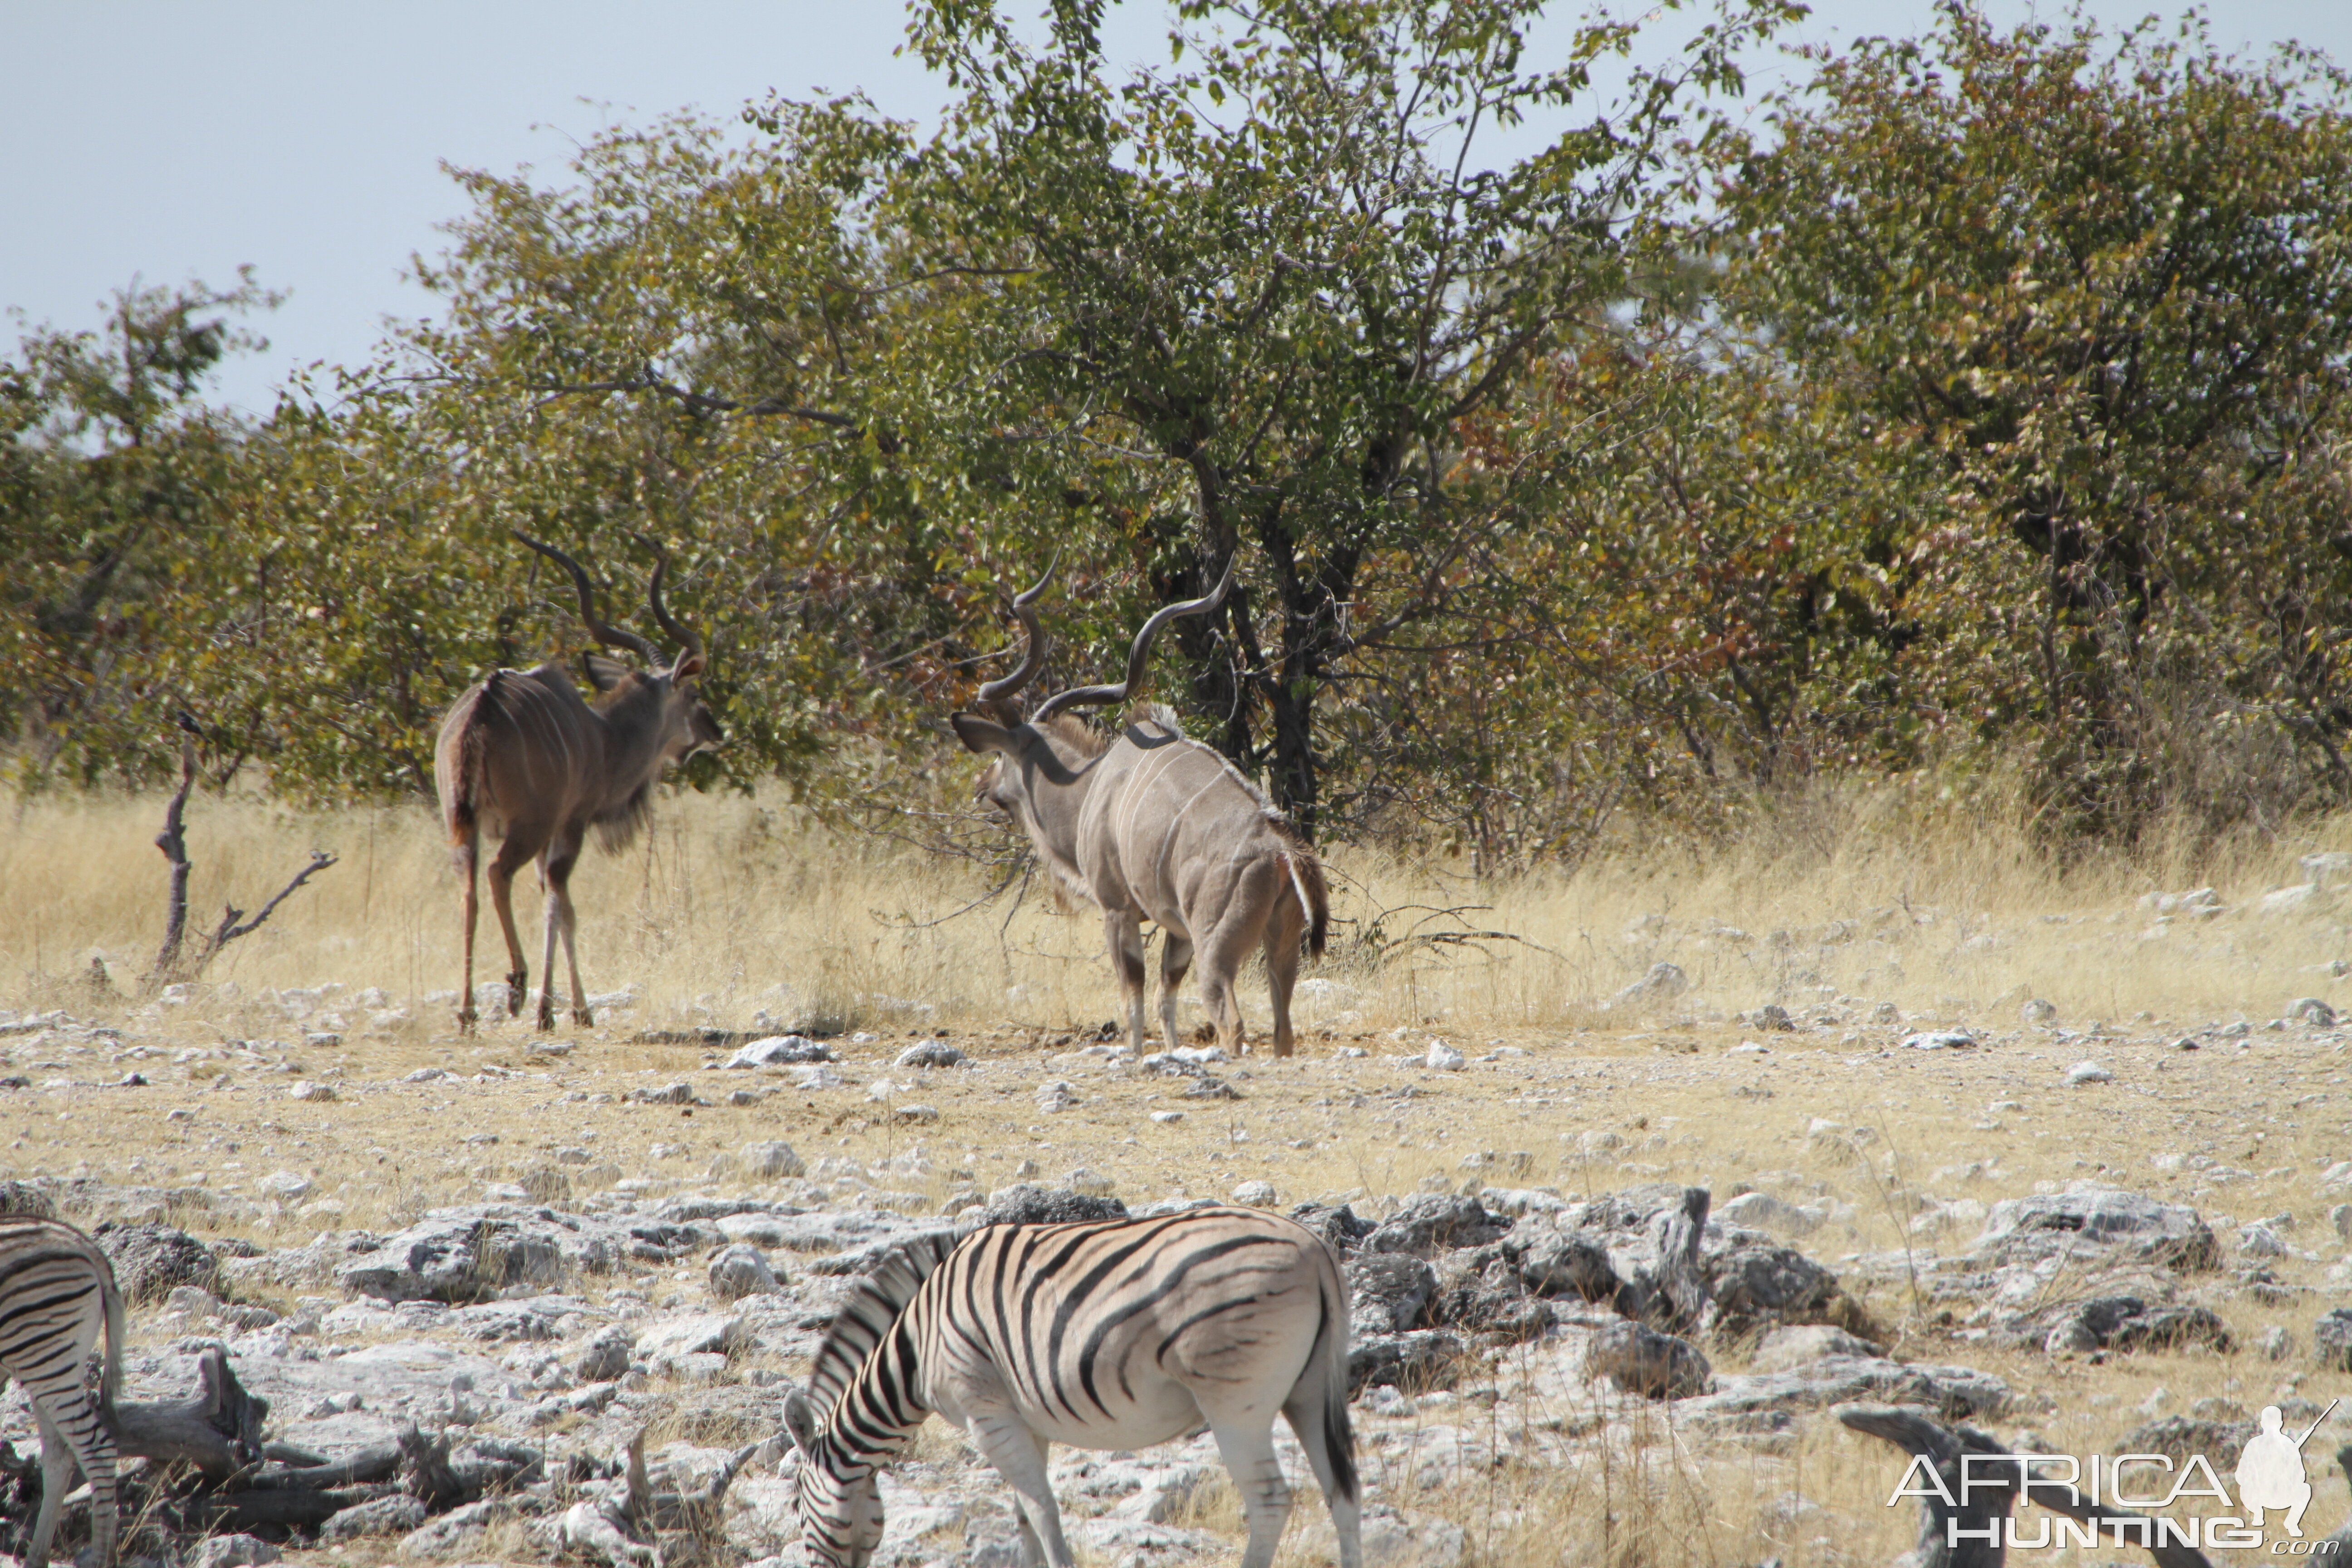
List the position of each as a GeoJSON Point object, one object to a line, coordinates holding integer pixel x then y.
{"type": "Point", "coordinates": [230, 929]}
{"type": "Point", "coordinates": [699, 402]}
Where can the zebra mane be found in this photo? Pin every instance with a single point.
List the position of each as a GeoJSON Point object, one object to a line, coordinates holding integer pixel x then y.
{"type": "Point", "coordinates": [871, 1303]}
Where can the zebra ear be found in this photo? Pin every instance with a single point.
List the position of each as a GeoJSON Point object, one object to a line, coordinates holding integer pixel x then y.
{"type": "Point", "coordinates": [803, 1421]}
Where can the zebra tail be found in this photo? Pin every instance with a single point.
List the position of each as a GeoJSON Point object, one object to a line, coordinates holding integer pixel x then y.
{"type": "Point", "coordinates": [1331, 1344]}
{"type": "Point", "coordinates": [110, 1385]}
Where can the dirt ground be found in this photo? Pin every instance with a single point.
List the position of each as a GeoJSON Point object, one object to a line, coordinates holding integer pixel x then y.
{"type": "Point", "coordinates": [1881, 1135]}
{"type": "Point", "coordinates": [1772, 1058]}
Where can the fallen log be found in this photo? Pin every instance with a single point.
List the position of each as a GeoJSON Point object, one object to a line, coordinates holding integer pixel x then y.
{"type": "Point", "coordinates": [369, 1465]}
{"type": "Point", "coordinates": [288, 1454]}
{"type": "Point", "coordinates": [426, 1474]}
{"type": "Point", "coordinates": [243, 1512]}
{"type": "Point", "coordinates": [217, 1433]}
{"type": "Point", "coordinates": [617, 1522]}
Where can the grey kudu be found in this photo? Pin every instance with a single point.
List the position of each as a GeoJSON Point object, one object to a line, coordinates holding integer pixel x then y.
{"type": "Point", "coordinates": [1150, 826]}
{"type": "Point", "coordinates": [524, 756]}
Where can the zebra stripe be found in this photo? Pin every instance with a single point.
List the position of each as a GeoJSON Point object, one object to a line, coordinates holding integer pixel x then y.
{"type": "Point", "coordinates": [58, 1295]}
{"type": "Point", "coordinates": [1109, 1334]}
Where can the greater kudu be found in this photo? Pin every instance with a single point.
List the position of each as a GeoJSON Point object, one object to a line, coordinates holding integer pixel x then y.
{"type": "Point", "coordinates": [525, 757]}
{"type": "Point", "coordinates": [1152, 825]}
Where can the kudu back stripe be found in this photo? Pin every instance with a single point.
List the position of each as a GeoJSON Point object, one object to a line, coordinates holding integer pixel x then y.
{"type": "Point", "coordinates": [57, 1298]}
{"type": "Point", "coordinates": [1109, 1334]}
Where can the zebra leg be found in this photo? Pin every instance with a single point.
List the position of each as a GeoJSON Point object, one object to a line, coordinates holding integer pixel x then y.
{"type": "Point", "coordinates": [1308, 1419]}
{"type": "Point", "coordinates": [1019, 1455]}
{"type": "Point", "coordinates": [74, 1435]}
{"type": "Point", "coordinates": [57, 1480]}
{"type": "Point", "coordinates": [94, 1449]}
{"type": "Point", "coordinates": [1175, 958]}
{"type": "Point", "coordinates": [1123, 932]}
{"type": "Point", "coordinates": [1248, 1450]}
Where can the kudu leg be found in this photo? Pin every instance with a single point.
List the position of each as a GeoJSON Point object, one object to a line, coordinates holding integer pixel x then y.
{"type": "Point", "coordinates": [1175, 960]}
{"type": "Point", "coordinates": [503, 867]}
{"type": "Point", "coordinates": [468, 852]}
{"type": "Point", "coordinates": [551, 927]}
{"type": "Point", "coordinates": [560, 862]}
{"type": "Point", "coordinates": [1243, 924]}
{"type": "Point", "coordinates": [1123, 932]}
{"type": "Point", "coordinates": [1282, 932]}
{"type": "Point", "coordinates": [1220, 963]}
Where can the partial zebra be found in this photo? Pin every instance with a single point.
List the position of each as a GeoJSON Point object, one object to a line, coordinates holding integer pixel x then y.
{"type": "Point", "coordinates": [56, 1295]}
{"type": "Point", "coordinates": [1109, 1335]}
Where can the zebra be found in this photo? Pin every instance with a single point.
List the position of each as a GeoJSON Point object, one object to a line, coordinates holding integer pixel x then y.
{"type": "Point", "coordinates": [56, 1293]}
{"type": "Point", "coordinates": [1099, 1334]}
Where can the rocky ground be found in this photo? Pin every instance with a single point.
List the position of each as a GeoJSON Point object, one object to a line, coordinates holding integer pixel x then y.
{"type": "Point", "coordinates": [1610, 1283]}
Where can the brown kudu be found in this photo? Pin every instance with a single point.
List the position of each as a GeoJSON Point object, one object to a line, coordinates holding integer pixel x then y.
{"type": "Point", "coordinates": [1152, 825]}
{"type": "Point", "coordinates": [523, 756]}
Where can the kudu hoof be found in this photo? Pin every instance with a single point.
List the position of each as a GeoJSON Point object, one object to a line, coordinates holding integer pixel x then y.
{"type": "Point", "coordinates": [466, 1020]}
{"type": "Point", "coordinates": [581, 1017]}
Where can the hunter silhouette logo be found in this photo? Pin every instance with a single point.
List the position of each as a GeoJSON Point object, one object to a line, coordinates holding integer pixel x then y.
{"type": "Point", "coordinates": [2269, 1472]}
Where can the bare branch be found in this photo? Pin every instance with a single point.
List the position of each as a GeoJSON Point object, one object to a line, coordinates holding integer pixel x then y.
{"type": "Point", "coordinates": [173, 841]}
{"type": "Point", "coordinates": [230, 930]}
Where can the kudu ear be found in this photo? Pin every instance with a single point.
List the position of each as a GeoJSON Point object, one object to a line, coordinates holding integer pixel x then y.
{"type": "Point", "coordinates": [982, 735]}
{"type": "Point", "coordinates": [604, 674]}
{"type": "Point", "coordinates": [686, 669]}
{"type": "Point", "coordinates": [803, 1421]}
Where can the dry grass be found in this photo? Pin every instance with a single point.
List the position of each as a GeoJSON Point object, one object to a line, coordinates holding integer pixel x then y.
{"type": "Point", "coordinates": [732, 899]}
{"type": "Point", "coordinates": [1877, 895]}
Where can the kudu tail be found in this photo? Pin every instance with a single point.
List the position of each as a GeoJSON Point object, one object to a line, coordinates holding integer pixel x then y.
{"type": "Point", "coordinates": [1313, 897]}
{"type": "Point", "coordinates": [459, 776]}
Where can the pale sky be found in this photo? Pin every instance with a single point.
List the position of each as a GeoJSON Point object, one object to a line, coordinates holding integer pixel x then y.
{"type": "Point", "coordinates": [172, 140]}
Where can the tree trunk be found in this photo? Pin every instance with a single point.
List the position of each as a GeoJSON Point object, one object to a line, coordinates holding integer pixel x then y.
{"type": "Point", "coordinates": [1217, 685]}
{"type": "Point", "coordinates": [174, 842]}
{"type": "Point", "coordinates": [1290, 773]}
{"type": "Point", "coordinates": [1688, 1308]}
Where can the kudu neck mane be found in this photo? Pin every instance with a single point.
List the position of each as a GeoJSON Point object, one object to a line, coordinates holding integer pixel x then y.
{"type": "Point", "coordinates": [1075, 733]}
{"type": "Point", "coordinates": [1087, 743]}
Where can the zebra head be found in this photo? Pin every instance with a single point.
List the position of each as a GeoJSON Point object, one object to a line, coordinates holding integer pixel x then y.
{"type": "Point", "coordinates": [840, 1503]}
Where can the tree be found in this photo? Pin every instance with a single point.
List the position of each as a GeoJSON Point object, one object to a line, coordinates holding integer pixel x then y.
{"type": "Point", "coordinates": [116, 521]}
{"type": "Point", "coordinates": [1247, 303]}
{"type": "Point", "coordinates": [2108, 287]}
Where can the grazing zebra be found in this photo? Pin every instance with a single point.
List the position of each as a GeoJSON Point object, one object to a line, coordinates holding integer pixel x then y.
{"type": "Point", "coordinates": [1107, 1334]}
{"type": "Point", "coordinates": [56, 1293]}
